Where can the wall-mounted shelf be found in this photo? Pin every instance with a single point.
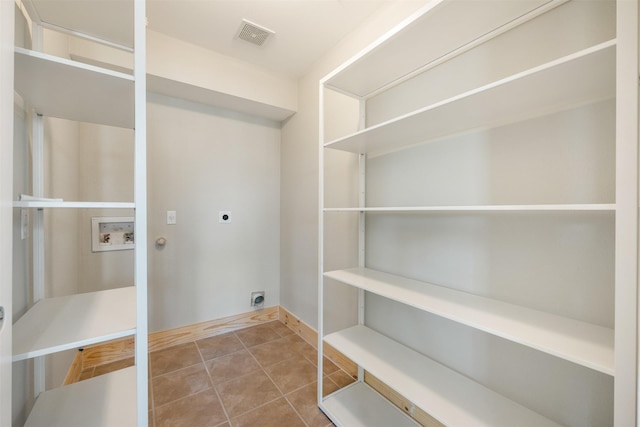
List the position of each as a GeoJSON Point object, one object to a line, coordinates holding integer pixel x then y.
{"type": "Point", "coordinates": [580, 78]}
{"type": "Point", "coordinates": [605, 207]}
{"type": "Point", "coordinates": [412, 94]}
{"type": "Point", "coordinates": [107, 400]}
{"type": "Point", "coordinates": [66, 89]}
{"type": "Point", "coordinates": [358, 405]}
{"type": "Point", "coordinates": [449, 397]}
{"type": "Point", "coordinates": [63, 323]}
{"type": "Point", "coordinates": [579, 342]}
{"type": "Point", "coordinates": [86, 205]}
{"type": "Point", "coordinates": [400, 54]}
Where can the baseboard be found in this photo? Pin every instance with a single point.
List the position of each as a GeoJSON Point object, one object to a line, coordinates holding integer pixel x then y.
{"type": "Point", "coordinates": [124, 348]}
{"type": "Point", "coordinates": [73, 375]}
{"type": "Point", "coordinates": [310, 335]}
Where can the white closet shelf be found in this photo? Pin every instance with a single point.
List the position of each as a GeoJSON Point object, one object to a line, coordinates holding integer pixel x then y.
{"type": "Point", "coordinates": [398, 55]}
{"type": "Point", "coordinates": [578, 79]}
{"type": "Point", "coordinates": [111, 22]}
{"type": "Point", "coordinates": [358, 405]}
{"type": "Point", "coordinates": [449, 397]}
{"type": "Point", "coordinates": [582, 343]}
{"type": "Point", "coordinates": [63, 323]}
{"type": "Point", "coordinates": [107, 400]}
{"type": "Point", "coordinates": [86, 205]}
{"type": "Point", "coordinates": [483, 208]}
{"type": "Point", "coordinates": [66, 89]}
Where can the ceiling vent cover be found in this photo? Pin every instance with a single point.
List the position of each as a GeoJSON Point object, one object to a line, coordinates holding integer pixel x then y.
{"type": "Point", "coordinates": [254, 33]}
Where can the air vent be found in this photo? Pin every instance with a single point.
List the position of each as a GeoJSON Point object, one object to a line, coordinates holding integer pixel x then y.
{"type": "Point", "coordinates": [253, 33]}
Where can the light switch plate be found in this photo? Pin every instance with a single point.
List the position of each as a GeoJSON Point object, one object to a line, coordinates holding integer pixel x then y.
{"type": "Point", "coordinates": [171, 218]}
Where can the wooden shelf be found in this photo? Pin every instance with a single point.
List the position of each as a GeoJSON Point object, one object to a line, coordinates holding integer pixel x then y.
{"type": "Point", "coordinates": [604, 207]}
{"type": "Point", "coordinates": [85, 205]}
{"type": "Point", "coordinates": [63, 323]}
{"type": "Point", "coordinates": [358, 405]}
{"type": "Point", "coordinates": [403, 52]}
{"type": "Point", "coordinates": [581, 78]}
{"type": "Point", "coordinates": [449, 397]}
{"type": "Point", "coordinates": [586, 344]}
{"type": "Point", "coordinates": [104, 401]}
{"type": "Point", "coordinates": [72, 90]}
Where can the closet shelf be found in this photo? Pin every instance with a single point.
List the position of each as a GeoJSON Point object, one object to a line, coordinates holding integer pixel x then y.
{"type": "Point", "coordinates": [400, 54]}
{"type": "Point", "coordinates": [66, 89]}
{"type": "Point", "coordinates": [584, 77]}
{"type": "Point", "coordinates": [579, 342]}
{"type": "Point", "coordinates": [483, 208]}
{"type": "Point", "coordinates": [110, 22]}
{"type": "Point", "coordinates": [63, 323]}
{"type": "Point", "coordinates": [449, 397]}
{"type": "Point", "coordinates": [62, 204]}
{"type": "Point", "coordinates": [358, 405]}
{"type": "Point", "coordinates": [107, 400]}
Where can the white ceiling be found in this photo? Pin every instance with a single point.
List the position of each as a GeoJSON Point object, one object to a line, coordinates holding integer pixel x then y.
{"type": "Point", "coordinates": [305, 29]}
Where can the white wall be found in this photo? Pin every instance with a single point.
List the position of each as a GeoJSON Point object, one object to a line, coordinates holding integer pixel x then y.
{"type": "Point", "coordinates": [203, 160]}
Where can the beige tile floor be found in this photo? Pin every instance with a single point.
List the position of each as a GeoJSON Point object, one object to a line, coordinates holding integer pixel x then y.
{"type": "Point", "coordinates": [260, 376]}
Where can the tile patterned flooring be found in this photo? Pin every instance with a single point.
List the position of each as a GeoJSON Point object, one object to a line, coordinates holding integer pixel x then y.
{"type": "Point", "coordinates": [263, 376]}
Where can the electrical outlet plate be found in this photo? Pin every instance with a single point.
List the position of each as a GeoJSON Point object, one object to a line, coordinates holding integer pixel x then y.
{"type": "Point", "coordinates": [224, 217]}
{"type": "Point", "coordinates": [257, 299]}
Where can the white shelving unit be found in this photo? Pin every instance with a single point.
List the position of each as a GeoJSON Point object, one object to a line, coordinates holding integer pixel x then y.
{"type": "Point", "coordinates": [62, 88]}
{"type": "Point", "coordinates": [107, 400]}
{"type": "Point", "coordinates": [581, 78]}
{"type": "Point", "coordinates": [63, 323]}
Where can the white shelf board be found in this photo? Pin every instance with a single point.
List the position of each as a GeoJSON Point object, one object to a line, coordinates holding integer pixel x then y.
{"type": "Point", "coordinates": [358, 405]}
{"type": "Point", "coordinates": [403, 50]}
{"type": "Point", "coordinates": [577, 79]}
{"type": "Point", "coordinates": [86, 205]}
{"type": "Point", "coordinates": [449, 397]}
{"type": "Point", "coordinates": [66, 89]}
{"type": "Point", "coordinates": [586, 344]}
{"type": "Point", "coordinates": [105, 401]}
{"type": "Point", "coordinates": [483, 208]}
{"type": "Point", "coordinates": [91, 18]}
{"type": "Point", "coordinates": [63, 323]}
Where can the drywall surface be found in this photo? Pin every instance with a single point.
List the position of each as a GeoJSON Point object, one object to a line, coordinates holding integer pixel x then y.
{"type": "Point", "coordinates": [299, 166]}
{"type": "Point", "coordinates": [183, 62]}
{"type": "Point", "coordinates": [203, 160]}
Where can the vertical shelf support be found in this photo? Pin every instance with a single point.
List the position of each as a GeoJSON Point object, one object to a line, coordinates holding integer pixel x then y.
{"type": "Point", "coordinates": [320, 240]}
{"type": "Point", "coordinates": [140, 198]}
{"type": "Point", "coordinates": [626, 268]}
{"type": "Point", "coordinates": [7, 26]}
{"type": "Point", "coordinates": [39, 385]}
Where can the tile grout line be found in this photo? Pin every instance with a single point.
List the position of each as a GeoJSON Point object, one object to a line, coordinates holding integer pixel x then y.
{"type": "Point", "coordinates": [213, 385]}
{"type": "Point", "coordinates": [282, 395]}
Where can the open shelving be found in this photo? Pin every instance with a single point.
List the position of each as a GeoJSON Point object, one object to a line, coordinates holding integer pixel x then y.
{"type": "Point", "coordinates": [583, 77]}
{"type": "Point", "coordinates": [106, 400]}
{"type": "Point", "coordinates": [603, 207]}
{"type": "Point", "coordinates": [449, 397]}
{"type": "Point", "coordinates": [403, 53]}
{"type": "Point", "coordinates": [587, 75]}
{"type": "Point", "coordinates": [73, 205]}
{"type": "Point", "coordinates": [63, 323]}
{"type": "Point", "coordinates": [579, 342]}
{"type": "Point", "coordinates": [53, 86]}
{"type": "Point", "coordinates": [62, 88]}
